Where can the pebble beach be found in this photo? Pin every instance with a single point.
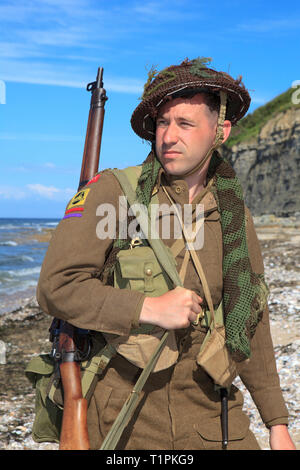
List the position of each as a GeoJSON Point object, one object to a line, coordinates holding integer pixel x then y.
{"type": "Point", "coordinates": [24, 334]}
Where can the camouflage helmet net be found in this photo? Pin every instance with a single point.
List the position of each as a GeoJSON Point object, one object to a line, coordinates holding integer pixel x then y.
{"type": "Point", "coordinates": [189, 75]}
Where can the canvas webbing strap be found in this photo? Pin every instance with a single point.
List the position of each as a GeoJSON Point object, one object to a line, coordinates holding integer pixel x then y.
{"type": "Point", "coordinates": [96, 366]}
{"type": "Point", "coordinates": [142, 216]}
{"type": "Point", "coordinates": [177, 246]}
{"type": "Point", "coordinates": [168, 265]}
{"type": "Point", "coordinates": [196, 261]}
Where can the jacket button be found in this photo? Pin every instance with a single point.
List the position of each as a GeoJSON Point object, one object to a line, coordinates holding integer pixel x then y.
{"type": "Point", "coordinates": [178, 190]}
{"type": "Point", "coordinates": [148, 272]}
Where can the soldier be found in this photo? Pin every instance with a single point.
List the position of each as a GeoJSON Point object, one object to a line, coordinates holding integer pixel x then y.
{"type": "Point", "coordinates": [106, 285]}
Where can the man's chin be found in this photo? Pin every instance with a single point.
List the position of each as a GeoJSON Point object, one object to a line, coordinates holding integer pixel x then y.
{"type": "Point", "coordinates": [173, 169]}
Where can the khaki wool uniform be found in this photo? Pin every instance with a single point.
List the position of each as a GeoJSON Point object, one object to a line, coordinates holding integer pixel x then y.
{"type": "Point", "coordinates": [179, 408]}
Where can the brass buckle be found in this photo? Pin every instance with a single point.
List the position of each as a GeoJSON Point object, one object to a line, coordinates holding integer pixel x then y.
{"type": "Point", "coordinates": [135, 242]}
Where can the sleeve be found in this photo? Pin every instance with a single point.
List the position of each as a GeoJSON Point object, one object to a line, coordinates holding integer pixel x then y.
{"type": "Point", "coordinates": [259, 373]}
{"type": "Point", "coordinates": [69, 287]}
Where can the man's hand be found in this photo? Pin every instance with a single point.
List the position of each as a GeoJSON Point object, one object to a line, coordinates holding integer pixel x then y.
{"type": "Point", "coordinates": [175, 309]}
{"type": "Point", "coordinates": [280, 438]}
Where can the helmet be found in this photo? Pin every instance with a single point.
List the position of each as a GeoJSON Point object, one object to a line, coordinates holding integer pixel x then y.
{"type": "Point", "coordinates": [190, 75]}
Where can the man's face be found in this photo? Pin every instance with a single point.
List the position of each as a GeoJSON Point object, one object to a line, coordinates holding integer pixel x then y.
{"type": "Point", "coordinates": [185, 131]}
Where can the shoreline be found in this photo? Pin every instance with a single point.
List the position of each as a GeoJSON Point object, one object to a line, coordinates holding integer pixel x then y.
{"type": "Point", "coordinates": [11, 302]}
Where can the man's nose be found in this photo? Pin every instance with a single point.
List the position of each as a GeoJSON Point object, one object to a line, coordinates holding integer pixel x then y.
{"type": "Point", "coordinates": [170, 135]}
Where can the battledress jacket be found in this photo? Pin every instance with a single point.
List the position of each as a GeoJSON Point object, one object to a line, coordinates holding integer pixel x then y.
{"type": "Point", "coordinates": [179, 408]}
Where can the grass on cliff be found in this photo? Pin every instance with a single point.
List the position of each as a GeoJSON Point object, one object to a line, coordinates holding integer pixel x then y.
{"type": "Point", "coordinates": [250, 127]}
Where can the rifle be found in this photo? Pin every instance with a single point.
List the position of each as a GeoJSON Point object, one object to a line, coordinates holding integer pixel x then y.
{"type": "Point", "coordinates": [71, 344]}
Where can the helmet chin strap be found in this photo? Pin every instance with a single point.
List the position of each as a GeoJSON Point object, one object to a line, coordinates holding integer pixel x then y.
{"type": "Point", "coordinates": [218, 139]}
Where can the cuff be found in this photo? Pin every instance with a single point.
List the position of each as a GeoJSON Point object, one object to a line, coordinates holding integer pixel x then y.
{"type": "Point", "coordinates": [271, 406]}
{"type": "Point", "coordinates": [136, 316]}
{"type": "Point", "coordinates": [273, 422]}
{"type": "Point", "coordinates": [120, 309]}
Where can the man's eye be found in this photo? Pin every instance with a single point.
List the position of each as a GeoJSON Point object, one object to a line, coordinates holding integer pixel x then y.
{"type": "Point", "coordinates": [186, 124]}
{"type": "Point", "coordinates": [161, 122]}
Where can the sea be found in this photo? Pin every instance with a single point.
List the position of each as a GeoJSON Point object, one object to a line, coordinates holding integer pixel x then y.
{"type": "Point", "coordinates": [23, 245]}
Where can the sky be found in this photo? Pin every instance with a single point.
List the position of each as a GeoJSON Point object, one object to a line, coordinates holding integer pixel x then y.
{"type": "Point", "coordinates": [51, 49]}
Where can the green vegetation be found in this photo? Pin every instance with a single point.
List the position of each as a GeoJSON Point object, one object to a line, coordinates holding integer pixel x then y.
{"type": "Point", "coordinates": [250, 126]}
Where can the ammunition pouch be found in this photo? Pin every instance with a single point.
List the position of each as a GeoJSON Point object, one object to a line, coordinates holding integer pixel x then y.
{"type": "Point", "coordinates": [214, 356]}
{"type": "Point", "coordinates": [138, 269]}
{"type": "Point", "coordinates": [43, 372]}
{"type": "Point", "coordinates": [48, 415]}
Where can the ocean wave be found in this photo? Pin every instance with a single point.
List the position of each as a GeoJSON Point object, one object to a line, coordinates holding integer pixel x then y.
{"type": "Point", "coordinates": [9, 226]}
{"type": "Point", "coordinates": [27, 258]}
{"type": "Point", "coordinates": [24, 271]}
{"type": "Point", "coordinates": [36, 225]}
{"type": "Point", "coordinates": [17, 287]}
{"type": "Point", "coordinates": [10, 275]}
{"type": "Point", "coordinates": [8, 243]}
{"type": "Point", "coordinates": [13, 281]}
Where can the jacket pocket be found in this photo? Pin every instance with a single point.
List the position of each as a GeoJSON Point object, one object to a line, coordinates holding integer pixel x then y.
{"type": "Point", "coordinates": [211, 433]}
{"type": "Point", "coordinates": [97, 406]}
{"type": "Point", "coordinates": [138, 269]}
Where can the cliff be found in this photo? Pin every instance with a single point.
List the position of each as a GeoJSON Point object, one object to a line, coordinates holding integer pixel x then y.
{"type": "Point", "coordinates": [264, 150]}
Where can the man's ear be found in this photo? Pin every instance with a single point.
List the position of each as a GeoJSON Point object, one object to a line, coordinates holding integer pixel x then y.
{"type": "Point", "coordinates": [226, 130]}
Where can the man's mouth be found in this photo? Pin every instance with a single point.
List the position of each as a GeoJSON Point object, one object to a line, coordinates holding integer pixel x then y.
{"type": "Point", "coordinates": [171, 153]}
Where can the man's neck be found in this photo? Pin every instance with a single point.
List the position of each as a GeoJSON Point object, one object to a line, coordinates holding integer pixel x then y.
{"type": "Point", "coordinates": [197, 182]}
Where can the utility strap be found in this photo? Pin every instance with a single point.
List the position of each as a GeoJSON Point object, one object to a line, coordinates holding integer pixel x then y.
{"type": "Point", "coordinates": [168, 263]}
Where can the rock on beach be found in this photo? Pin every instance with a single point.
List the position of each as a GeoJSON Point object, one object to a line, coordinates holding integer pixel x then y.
{"type": "Point", "coordinates": [25, 334]}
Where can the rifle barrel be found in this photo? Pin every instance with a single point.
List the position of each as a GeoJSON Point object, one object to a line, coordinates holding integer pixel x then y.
{"type": "Point", "coordinates": [92, 146]}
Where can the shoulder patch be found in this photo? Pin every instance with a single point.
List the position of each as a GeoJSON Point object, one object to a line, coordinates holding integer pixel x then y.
{"type": "Point", "coordinates": [75, 207]}
{"type": "Point", "coordinates": [94, 179]}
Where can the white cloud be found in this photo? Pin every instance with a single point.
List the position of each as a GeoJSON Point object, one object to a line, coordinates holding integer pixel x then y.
{"type": "Point", "coordinates": [51, 192]}
{"type": "Point", "coordinates": [269, 25]}
{"type": "Point", "coordinates": [41, 73]}
{"type": "Point", "coordinates": [13, 50]}
{"type": "Point", "coordinates": [50, 42]}
{"type": "Point", "coordinates": [37, 137]}
{"type": "Point", "coordinates": [36, 190]}
{"type": "Point", "coordinates": [23, 11]}
{"type": "Point", "coordinates": [42, 168]}
{"type": "Point", "coordinates": [49, 165]}
{"type": "Point", "coordinates": [170, 11]}
{"type": "Point", "coordinates": [45, 191]}
{"type": "Point", "coordinates": [11, 192]}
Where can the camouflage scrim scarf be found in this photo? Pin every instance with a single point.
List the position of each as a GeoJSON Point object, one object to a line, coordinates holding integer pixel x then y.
{"type": "Point", "coordinates": [244, 292]}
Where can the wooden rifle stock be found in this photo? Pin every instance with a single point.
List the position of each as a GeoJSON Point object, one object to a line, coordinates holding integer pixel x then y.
{"type": "Point", "coordinates": [74, 432]}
